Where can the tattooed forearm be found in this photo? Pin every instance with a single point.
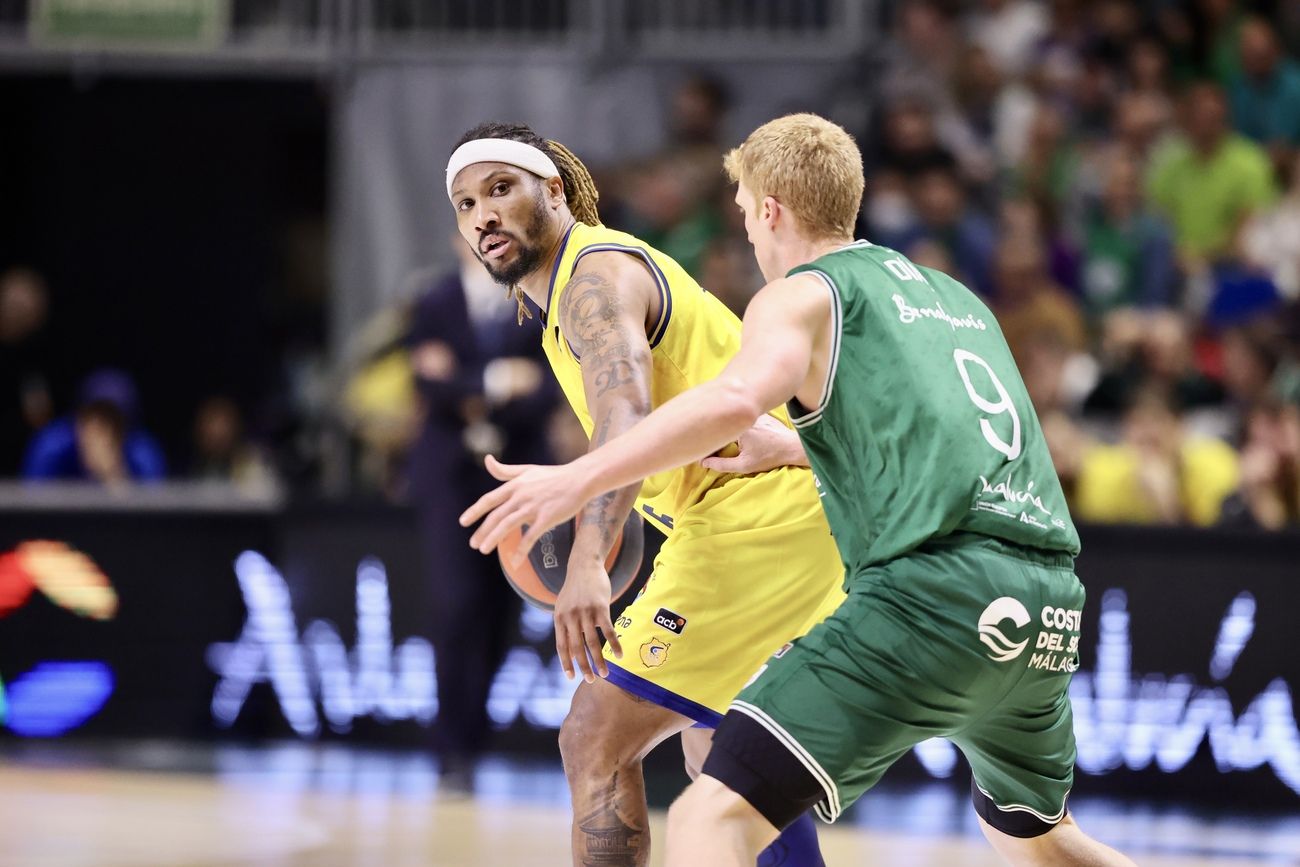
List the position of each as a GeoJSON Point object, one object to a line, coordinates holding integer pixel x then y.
{"type": "Point", "coordinates": [611, 345]}
{"type": "Point", "coordinates": [607, 512]}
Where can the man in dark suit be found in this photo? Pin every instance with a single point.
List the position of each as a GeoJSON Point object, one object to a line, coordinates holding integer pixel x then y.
{"type": "Point", "coordinates": [480, 376]}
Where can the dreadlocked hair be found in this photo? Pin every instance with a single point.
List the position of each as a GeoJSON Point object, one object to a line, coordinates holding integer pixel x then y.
{"type": "Point", "coordinates": [580, 192]}
{"type": "Point", "coordinates": [579, 189]}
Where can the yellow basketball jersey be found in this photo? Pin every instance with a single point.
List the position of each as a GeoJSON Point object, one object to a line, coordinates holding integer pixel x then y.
{"type": "Point", "coordinates": [695, 337]}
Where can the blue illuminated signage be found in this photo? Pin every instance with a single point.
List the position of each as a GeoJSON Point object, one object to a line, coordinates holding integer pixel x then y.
{"type": "Point", "coordinates": [1123, 719]}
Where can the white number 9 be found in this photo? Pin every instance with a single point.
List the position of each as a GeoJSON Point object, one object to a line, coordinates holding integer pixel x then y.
{"type": "Point", "coordinates": [1012, 450]}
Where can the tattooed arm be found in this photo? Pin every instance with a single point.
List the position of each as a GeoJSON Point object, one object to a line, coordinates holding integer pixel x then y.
{"type": "Point", "coordinates": [603, 314]}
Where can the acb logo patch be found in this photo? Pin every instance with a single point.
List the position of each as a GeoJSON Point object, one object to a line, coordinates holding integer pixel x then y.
{"type": "Point", "coordinates": [673, 622]}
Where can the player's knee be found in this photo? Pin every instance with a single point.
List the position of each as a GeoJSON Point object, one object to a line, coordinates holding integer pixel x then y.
{"type": "Point", "coordinates": [587, 738]}
{"type": "Point", "coordinates": [706, 802]}
{"type": "Point", "coordinates": [689, 809]}
{"type": "Point", "coordinates": [709, 805]}
{"type": "Point", "coordinates": [577, 739]}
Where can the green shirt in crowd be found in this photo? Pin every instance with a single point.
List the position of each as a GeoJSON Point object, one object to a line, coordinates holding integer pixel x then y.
{"type": "Point", "coordinates": [1205, 199]}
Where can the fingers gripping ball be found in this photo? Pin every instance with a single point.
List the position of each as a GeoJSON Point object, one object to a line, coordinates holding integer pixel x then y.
{"type": "Point", "coordinates": [539, 577]}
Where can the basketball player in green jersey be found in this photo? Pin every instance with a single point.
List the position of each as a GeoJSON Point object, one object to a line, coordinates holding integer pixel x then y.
{"type": "Point", "coordinates": [962, 616]}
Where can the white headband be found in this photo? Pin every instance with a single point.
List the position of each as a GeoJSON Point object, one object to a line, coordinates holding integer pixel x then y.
{"type": "Point", "coordinates": [500, 150]}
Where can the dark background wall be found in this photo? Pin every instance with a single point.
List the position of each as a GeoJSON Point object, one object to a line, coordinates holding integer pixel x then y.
{"type": "Point", "coordinates": [180, 225]}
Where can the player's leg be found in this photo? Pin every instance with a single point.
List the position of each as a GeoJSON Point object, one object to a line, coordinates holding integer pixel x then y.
{"type": "Point", "coordinates": [1022, 751]}
{"type": "Point", "coordinates": [1064, 844]}
{"type": "Point", "coordinates": [603, 739]}
{"type": "Point", "coordinates": [711, 824]}
{"type": "Point", "coordinates": [795, 847]}
{"type": "Point", "coordinates": [821, 723]}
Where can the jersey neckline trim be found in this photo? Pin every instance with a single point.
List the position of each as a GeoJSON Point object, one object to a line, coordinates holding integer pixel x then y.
{"type": "Point", "coordinates": [555, 269]}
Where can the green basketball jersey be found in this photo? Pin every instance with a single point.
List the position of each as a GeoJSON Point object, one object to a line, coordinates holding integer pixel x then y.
{"type": "Point", "coordinates": [925, 428]}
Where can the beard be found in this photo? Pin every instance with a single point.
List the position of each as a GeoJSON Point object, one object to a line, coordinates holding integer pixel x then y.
{"type": "Point", "coordinates": [528, 249]}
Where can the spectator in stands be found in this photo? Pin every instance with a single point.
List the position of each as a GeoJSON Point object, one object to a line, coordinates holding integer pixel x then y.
{"type": "Point", "coordinates": [1128, 252]}
{"type": "Point", "coordinates": [1157, 474]}
{"type": "Point", "coordinates": [1149, 349]}
{"type": "Point", "coordinates": [1092, 101]}
{"type": "Point", "coordinates": [221, 452]}
{"type": "Point", "coordinates": [1271, 239]}
{"type": "Point", "coordinates": [909, 143]}
{"type": "Point", "coordinates": [919, 59]}
{"type": "Point", "coordinates": [1252, 356]}
{"type": "Point", "coordinates": [997, 109]}
{"type": "Point", "coordinates": [1069, 33]}
{"type": "Point", "coordinates": [1269, 496]}
{"type": "Point", "coordinates": [944, 216]}
{"type": "Point", "coordinates": [670, 205]}
{"type": "Point", "coordinates": [1030, 306]}
{"type": "Point", "coordinates": [1008, 30]}
{"type": "Point", "coordinates": [888, 215]}
{"type": "Point", "coordinates": [1142, 127]}
{"type": "Point", "coordinates": [1265, 93]}
{"type": "Point", "coordinates": [922, 70]}
{"type": "Point", "coordinates": [100, 442]}
{"type": "Point", "coordinates": [1146, 71]}
{"type": "Point", "coordinates": [1020, 216]}
{"type": "Point", "coordinates": [1048, 172]}
{"type": "Point", "coordinates": [26, 404]}
{"type": "Point", "coordinates": [1173, 26]}
{"type": "Point", "coordinates": [729, 273]}
{"type": "Point", "coordinates": [698, 113]}
{"type": "Point", "coordinates": [1068, 445]}
{"type": "Point", "coordinates": [484, 390]}
{"type": "Point", "coordinates": [1219, 24]}
{"type": "Point", "coordinates": [1116, 24]}
{"type": "Point", "coordinates": [1210, 182]}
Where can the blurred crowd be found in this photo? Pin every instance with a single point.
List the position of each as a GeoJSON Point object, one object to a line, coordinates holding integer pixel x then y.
{"type": "Point", "coordinates": [1120, 182]}
{"type": "Point", "coordinates": [99, 436]}
{"type": "Point", "coordinates": [1118, 179]}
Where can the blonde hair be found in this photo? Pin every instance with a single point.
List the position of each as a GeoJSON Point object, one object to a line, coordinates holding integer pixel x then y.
{"type": "Point", "coordinates": [810, 165]}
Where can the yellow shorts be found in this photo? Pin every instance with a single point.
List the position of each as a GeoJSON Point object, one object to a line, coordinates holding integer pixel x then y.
{"type": "Point", "coordinates": [748, 568]}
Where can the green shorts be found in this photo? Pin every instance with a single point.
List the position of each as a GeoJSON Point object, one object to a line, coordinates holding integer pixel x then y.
{"type": "Point", "coordinates": [968, 639]}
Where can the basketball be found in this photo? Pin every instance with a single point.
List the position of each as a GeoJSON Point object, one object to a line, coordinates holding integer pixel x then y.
{"type": "Point", "coordinates": [540, 576]}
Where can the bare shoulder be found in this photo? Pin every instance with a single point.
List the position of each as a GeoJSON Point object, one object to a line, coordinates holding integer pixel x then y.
{"type": "Point", "coordinates": [605, 287]}
{"type": "Point", "coordinates": [801, 297]}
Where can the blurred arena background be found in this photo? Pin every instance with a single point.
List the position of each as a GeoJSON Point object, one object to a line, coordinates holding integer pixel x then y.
{"type": "Point", "coordinates": [235, 426]}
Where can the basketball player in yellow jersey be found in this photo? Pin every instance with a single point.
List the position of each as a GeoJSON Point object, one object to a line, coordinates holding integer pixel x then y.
{"type": "Point", "coordinates": [748, 564]}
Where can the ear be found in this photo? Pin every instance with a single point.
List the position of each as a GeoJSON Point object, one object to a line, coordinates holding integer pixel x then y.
{"type": "Point", "coordinates": [770, 212]}
{"type": "Point", "coordinates": [554, 191]}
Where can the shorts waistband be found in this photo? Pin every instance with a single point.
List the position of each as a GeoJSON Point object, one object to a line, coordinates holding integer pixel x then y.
{"type": "Point", "coordinates": [1037, 556]}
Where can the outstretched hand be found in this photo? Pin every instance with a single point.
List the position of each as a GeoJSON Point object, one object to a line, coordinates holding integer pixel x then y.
{"type": "Point", "coordinates": [535, 495]}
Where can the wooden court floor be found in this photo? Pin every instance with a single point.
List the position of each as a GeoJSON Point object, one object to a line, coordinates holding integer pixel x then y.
{"type": "Point", "coordinates": [69, 816]}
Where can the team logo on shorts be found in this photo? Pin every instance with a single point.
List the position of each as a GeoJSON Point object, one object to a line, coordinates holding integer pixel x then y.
{"type": "Point", "coordinates": [654, 653]}
{"type": "Point", "coordinates": [1000, 609]}
{"type": "Point", "coordinates": [674, 623]}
